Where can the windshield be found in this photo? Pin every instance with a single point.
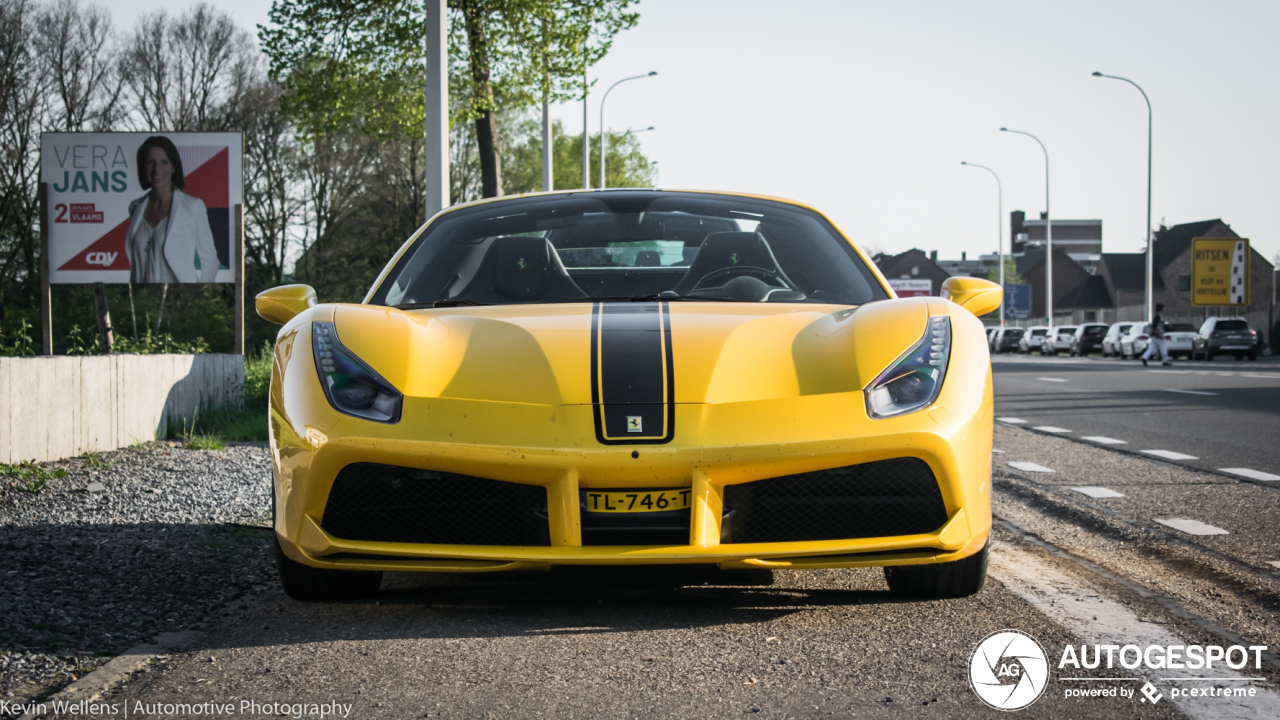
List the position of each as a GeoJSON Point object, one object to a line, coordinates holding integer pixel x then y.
{"type": "Point", "coordinates": [1013, 334]}
{"type": "Point", "coordinates": [625, 245]}
{"type": "Point", "coordinates": [1037, 332]}
{"type": "Point", "coordinates": [1232, 325]}
{"type": "Point", "coordinates": [1095, 330]}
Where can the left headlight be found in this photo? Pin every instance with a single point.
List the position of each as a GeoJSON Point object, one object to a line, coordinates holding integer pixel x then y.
{"type": "Point", "coordinates": [351, 386]}
{"type": "Point", "coordinates": [914, 380]}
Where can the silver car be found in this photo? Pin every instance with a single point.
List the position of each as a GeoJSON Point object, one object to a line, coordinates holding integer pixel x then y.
{"type": "Point", "coordinates": [1031, 338]}
{"type": "Point", "coordinates": [1111, 341]}
{"type": "Point", "coordinates": [1057, 339]}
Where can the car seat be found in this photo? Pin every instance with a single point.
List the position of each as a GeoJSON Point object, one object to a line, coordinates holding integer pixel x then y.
{"type": "Point", "coordinates": [729, 249]}
{"type": "Point", "coordinates": [521, 269]}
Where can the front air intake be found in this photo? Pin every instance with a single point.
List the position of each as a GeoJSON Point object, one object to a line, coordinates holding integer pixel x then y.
{"type": "Point", "coordinates": [387, 503]}
{"type": "Point", "coordinates": [887, 498]}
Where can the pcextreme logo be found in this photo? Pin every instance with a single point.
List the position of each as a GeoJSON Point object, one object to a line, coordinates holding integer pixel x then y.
{"type": "Point", "coordinates": [1008, 670]}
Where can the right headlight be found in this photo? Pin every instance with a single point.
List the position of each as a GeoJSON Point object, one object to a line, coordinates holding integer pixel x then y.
{"type": "Point", "coordinates": [351, 386]}
{"type": "Point", "coordinates": [914, 380]}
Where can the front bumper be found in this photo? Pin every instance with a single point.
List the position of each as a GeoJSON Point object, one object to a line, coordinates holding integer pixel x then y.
{"type": "Point", "coordinates": [957, 449]}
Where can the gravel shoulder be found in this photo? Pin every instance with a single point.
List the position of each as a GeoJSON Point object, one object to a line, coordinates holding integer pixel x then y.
{"type": "Point", "coordinates": [126, 545]}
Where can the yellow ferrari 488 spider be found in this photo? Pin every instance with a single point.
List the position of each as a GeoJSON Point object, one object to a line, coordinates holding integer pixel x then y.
{"type": "Point", "coordinates": [631, 377]}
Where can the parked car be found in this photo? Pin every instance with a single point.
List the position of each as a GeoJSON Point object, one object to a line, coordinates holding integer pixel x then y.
{"type": "Point", "coordinates": [1006, 340]}
{"type": "Point", "coordinates": [1226, 335]}
{"type": "Point", "coordinates": [1030, 339]}
{"type": "Point", "coordinates": [1134, 342]}
{"type": "Point", "coordinates": [1057, 339]}
{"type": "Point", "coordinates": [1087, 338]}
{"type": "Point", "coordinates": [1178, 339]}
{"type": "Point", "coordinates": [1111, 341]}
{"type": "Point", "coordinates": [991, 334]}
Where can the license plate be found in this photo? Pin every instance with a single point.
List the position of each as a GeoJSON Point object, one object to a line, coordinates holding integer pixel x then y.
{"type": "Point", "coordinates": [633, 501]}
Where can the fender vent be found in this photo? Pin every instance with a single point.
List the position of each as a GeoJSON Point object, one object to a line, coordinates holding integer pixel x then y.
{"type": "Point", "coordinates": [880, 499]}
{"type": "Point", "coordinates": [386, 503]}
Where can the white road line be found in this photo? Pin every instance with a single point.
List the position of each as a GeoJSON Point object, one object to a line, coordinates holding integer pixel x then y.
{"type": "Point", "coordinates": [1274, 562]}
{"type": "Point", "coordinates": [1189, 392]}
{"type": "Point", "coordinates": [1012, 421]}
{"type": "Point", "coordinates": [1192, 527]}
{"type": "Point", "coordinates": [1052, 429]}
{"type": "Point", "coordinates": [1028, 467]}
{"type": "Point", "coordinates": [1097, 492]}
{"type": "Point", "coordinates": [1048, 379]}
{"type": "Point", "coordinates": [1169, 455]}
{"type": "Point", "coordinates": [1098, 620]}
{"type": "Point", "coordinates": [997, 451]}
{"type": "Point", "coordinates": [1104, 440]}
{"type": "Point", "coordinates": [1251, 474]}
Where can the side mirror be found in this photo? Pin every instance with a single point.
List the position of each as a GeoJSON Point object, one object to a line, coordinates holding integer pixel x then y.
{"type": "Point", "coordinates": [281, 304]}
{"type": "Point", "coordinates": [976, 295]}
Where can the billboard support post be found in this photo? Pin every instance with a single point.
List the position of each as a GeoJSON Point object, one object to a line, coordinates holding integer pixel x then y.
{"type": "Point", "coordinates": [237, 222]}
{"type": "Point", "coordinates": [46, 303]}
{"type": "Point", "coordinates": [104, 315]}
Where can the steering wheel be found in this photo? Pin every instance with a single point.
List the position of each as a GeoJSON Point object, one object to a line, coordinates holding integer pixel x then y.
{"type": "Point", "coordinates": [736, 270]}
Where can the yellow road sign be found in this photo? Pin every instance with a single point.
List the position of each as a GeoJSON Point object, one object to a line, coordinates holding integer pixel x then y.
{"type": "Point", "coordinates": [1219, 272]}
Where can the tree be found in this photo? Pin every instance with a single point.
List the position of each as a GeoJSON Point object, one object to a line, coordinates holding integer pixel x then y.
{"type": "Point", "coordinates": [1011, 276]}
{"type": "Point", "coordinates": [82, 65]}
{"type": "Point", "coordinates": [626, 164]}
{"type": "Point", "coordinates": [181, 72]}
{"type": "Point", "coordinates": [359, 62]}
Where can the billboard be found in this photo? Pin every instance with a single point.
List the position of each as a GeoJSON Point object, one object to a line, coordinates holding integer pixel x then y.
{"type": "Point", "coordinates": [1219, 272]}
{"type": "Point", "coordinates": [141, 207]}
{"type": "Point", "coordinates": [912, 287]}
{"type": "Point", "coordinates": [1017, 302]}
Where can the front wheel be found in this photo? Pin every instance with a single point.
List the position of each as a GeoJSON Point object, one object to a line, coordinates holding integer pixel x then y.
{"type": "Point", "coordinates": [959, 578]}
{"type": "Point", "coordinates": [303, 582]}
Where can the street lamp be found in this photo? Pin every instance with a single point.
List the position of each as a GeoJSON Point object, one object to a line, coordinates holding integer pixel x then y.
{"type": "Point", "coordinates": [1150, 250]}
{"type": "Point", "coordinates": [999, 229]}
{"type": "Point", "coordinates": [604, 139]}
{"type": "Point", "coordinates": [1048, 228]}
{"type": "Point", "coordinates": [636, 132]}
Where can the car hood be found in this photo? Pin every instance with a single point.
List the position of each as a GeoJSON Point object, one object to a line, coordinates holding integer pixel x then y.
{"type": "Point", "coordinates": [715, 352]}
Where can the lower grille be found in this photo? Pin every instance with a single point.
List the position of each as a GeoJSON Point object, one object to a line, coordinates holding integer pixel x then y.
{"type": "Point", "coordinates": [879, 499]}
{"type": "Point", "coordinates": [387, 503]}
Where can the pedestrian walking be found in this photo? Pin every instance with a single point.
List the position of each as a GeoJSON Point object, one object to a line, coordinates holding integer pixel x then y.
{"type": "Point", "coordinates": [1157, 340]}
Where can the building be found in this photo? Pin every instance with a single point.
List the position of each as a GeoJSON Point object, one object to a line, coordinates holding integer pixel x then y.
{"type": "Point", "coordinates": [1079, 239]}
{"type": "Point", "coordinates": [1067, 275]}
{"type": "Point", "coordinates": [980, 267]}
{"type": "Point", "coordinates": [913, 265]}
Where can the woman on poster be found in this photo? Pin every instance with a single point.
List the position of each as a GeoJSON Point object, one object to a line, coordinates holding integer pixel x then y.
{"type": "Point", "coordinates": [169, 239]}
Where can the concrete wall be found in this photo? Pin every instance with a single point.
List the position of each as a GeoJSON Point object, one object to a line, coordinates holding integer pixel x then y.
{"type": "Point", "coordinates": [62, 406]}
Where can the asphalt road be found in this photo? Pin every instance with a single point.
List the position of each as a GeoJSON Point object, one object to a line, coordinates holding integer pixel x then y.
{"type": "Point", "coordinates": [1095, 544]}
{"type": "Point", "coordinates": [1226, 414]}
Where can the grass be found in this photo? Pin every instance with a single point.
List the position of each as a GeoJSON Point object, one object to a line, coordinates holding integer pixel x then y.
{"type": "Point", "coordinates": [30, 477]}
{"type": "Point", "coordinates": [217, 426]}
{"type": "Point", "coordinates": [93, 459]}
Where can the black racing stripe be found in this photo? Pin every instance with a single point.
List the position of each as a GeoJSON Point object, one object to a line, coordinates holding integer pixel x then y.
{"type": "Point", "coordinates": [632, 373]}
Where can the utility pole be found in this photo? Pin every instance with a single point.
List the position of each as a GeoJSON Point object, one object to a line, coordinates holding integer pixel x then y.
{"type": "Point", "coordinates": [436, 143]}
{"type": "Point", "coordinates": [586, 134]}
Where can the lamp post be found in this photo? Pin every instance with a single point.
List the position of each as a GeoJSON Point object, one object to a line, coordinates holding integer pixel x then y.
{"type": "Point", "coordinates": [999, 229]}
{"type": "Point", "coordinates": [604, 140]}
{"type": "Point", "coordinates": [1048, 229]}
{"type": "Point", "coordinates": [1150, 274]}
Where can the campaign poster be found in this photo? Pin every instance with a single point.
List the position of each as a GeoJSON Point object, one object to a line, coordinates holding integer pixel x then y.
{"type": "Point", "coordinates": [912, 287]}
{"type": "Point", "coordinates": [141, 207]}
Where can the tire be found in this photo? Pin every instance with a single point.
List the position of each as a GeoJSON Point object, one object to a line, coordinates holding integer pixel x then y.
{"type": "Point", "coordinates": [1239, 357]}
{"type": "Point", "coordinates": [1208, 356]}
{"type": "Point", "coordinates": [1253, 357]}
{"type": "Point", "coordinates": [302, 582]}
{"type": "Point", "coordinates": [960, 578]}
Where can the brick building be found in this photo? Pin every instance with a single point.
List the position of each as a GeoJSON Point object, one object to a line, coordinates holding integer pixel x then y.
{"type": "Point", "coordinates": [914, 265]}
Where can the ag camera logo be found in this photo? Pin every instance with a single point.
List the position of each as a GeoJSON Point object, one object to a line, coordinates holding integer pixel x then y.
{"type": "Point", "coordinates": [1008, 670]}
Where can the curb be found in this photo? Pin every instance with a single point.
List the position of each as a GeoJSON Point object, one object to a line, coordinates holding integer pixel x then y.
{"type": "Point", "coordinates": [117, 670]}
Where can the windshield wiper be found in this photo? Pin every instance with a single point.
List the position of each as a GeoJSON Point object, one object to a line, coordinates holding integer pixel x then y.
{"type": "Point", "coordinates": [436, 304]}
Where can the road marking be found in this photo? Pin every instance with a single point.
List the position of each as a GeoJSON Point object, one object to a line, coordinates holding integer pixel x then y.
{"type": "Point", "coordinates": [1012, 421]}
{"type": "Point", "coordinates": [1190, 392]}
{"type": "Point", "coordinates": [1098, 620]}
{"type": "Point", "coordinates": [1097, 492]}
{"type": "Point", "coordinates": [1002, 452]}
{"type": "Point", "coordinates": [1192, 527]}
{"type": "Point", "coordinates": [1169, 455]}
{"type": "Point", "coordinates": [1047, 379]}
{"type": "Point", "coordinates": [1274, 562]}
{"type": "Point", "coordinates": [1052, 429]}
{"type": "Point", "coordinates": [1028, 467]}
{"type": "Point", "coordinates": [1251, 474]}
{"type": "Point", "coordinates": [1102, 439]}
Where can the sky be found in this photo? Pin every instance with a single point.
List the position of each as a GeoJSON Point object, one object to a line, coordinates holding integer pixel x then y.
{"type": "Point", "coordinates": [865, 110]}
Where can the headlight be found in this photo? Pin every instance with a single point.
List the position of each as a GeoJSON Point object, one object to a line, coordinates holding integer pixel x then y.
{"type": "Point", "coordinates": [351, 386]}
{"type": "Point", "coordinates": [913, 380]}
